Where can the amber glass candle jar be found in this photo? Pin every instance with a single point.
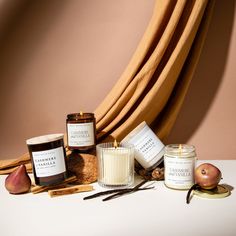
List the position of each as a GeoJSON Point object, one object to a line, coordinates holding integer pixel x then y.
{"type": "Point", "coordinates": [48, 159]}
{"type": "Point", "coordinates": [81, 131]}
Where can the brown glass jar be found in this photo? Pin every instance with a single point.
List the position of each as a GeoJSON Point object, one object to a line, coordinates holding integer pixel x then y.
{"type": "Point", "coordinates": [48, 159]}
{"type": "Point", "coordinates": [81, 131]}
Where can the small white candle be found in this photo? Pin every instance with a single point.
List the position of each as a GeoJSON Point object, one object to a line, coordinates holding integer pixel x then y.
{"type": "Point", "coordinates": [115, 165]}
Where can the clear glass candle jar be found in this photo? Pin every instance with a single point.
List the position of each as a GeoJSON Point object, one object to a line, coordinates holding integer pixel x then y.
{"type": "Point", "coordinates": [179, 162]}
{"type": "Point", "coordinates": [81, 131]}
{"type": "Point", "coordinates": [48, 159]}
{"type": "Point", "coordinates": [115, 165]}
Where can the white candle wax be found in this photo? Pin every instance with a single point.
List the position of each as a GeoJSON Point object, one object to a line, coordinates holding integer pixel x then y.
{"type": "Point", "coordinates": [116, 166]}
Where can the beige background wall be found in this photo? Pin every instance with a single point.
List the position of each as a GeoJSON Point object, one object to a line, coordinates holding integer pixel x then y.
{"type": "Point", "coordinates": [58, 57]}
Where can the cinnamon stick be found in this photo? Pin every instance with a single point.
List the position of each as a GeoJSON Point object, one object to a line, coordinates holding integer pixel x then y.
{"type": "Point", "coordinates": [23, 159]}
{"type": "Point", "coordinates": [70, 190]}
{"type": "Point", "coordinates": [11, 169]}
{"type": "Point", "coordinates": [39, 189]}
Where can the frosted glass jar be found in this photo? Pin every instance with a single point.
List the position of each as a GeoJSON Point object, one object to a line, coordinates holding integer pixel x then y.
{"type": "Point", "coordinates": [149, 149]}
{"type": "Point", "coordinates": [179, 162]}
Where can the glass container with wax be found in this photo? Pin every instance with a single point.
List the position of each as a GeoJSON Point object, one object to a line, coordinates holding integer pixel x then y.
{"type": "Point", "coordinates": [81, 131]}
{"type": "Point", "coordinates": [179, 162]}
{"type": "Point", "coordinates": [115, 164]}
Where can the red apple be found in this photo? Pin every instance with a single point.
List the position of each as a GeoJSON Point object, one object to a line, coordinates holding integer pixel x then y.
{"type": "Point", "coordinates": [207, 176]}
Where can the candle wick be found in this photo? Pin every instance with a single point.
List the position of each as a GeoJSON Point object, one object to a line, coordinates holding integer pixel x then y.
{"type": "Point", "coordinates": [115, 144]}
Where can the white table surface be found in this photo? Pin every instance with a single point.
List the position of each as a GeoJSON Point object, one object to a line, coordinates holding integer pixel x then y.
{"type": "Point", "coordinates": [161, 211]}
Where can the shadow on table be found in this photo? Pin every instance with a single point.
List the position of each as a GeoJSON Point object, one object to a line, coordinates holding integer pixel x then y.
{"type": "Point", "coordinates": [229, 187]}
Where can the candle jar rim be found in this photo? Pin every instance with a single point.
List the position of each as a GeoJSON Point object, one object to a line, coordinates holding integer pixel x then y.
{"type": "Point", "coordinates": [175, 149]}
{"type": "Point", "coordinates": [76, 116]}
{"type": "Point", "coordinates": [111, 145]}
{"type": "Point", "coordinates": [44, 139]}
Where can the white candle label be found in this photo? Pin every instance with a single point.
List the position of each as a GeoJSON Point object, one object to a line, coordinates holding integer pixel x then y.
{"type": "Point", "coordinates": [80, 135]}
{"type": "Point", "coordinates": [179, 172]}
{"type": "Point", "coordinates": [147, 146]}
{"type": "Point", "coordinates": [50, 162]}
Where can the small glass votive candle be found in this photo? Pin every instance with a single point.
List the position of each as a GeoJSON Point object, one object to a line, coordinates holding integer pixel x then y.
{"type": "Point", "coordinates": [179, 162]}
{"type": "Point", "coordinates": [115, 165]}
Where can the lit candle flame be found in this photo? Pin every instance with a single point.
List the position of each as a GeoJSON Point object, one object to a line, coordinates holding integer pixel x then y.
{"type": "Point", "coordinates": [81, 113]}
{"type": "Point", "coordinates": [115, 144]}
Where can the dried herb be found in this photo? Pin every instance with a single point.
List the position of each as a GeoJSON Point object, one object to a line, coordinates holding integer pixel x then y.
{"type": "Point", "coordinates": [156, 174]}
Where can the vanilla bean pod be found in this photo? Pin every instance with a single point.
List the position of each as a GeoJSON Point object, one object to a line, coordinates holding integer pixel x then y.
{"type": "Point", "coordinates": [120, 191]}
{"type": "Point", "coordinates": [119, 194]}
{"type": "Point", "coordinates": [126, 191]}
{"type": "Point", "coordinates": [104, 193]}
{"type": "Point", "coordinates": [194, 187]}
{"type": "Point", "coordinates": [113, 191]}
